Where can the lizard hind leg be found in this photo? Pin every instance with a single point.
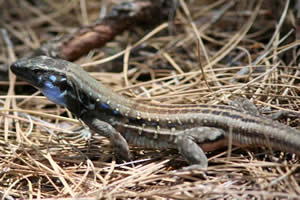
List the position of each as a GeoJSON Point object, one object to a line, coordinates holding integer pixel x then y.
{"type": "Point", "coordinates": [192, 153]}
{"type": "Point", "coordinates": [188, 144]}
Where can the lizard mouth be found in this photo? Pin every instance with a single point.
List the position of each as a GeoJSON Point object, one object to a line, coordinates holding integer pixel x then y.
{"type": "Point", "coordinates": [16, 67]}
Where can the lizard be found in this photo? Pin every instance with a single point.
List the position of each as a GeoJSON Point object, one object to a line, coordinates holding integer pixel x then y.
{"type": "Point", "coordinates": [192, 129]}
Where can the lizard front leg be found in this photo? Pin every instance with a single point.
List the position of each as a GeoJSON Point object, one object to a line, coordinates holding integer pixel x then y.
{"type": "Point", "coordinates": [118, 142]}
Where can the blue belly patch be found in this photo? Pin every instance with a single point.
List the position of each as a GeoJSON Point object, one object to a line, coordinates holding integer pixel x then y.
{"type": "Point", "coordinates": [53, 93]}
{"type": "Point", "coordinates": [116, 112]}
{"type": "Point", "coordinates": [105, 106]}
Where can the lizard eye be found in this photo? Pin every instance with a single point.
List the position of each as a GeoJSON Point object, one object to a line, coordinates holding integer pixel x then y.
{"type": "Point", "coordinates": [36, 72]}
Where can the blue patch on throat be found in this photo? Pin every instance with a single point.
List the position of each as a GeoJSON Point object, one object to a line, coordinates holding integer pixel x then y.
{"type": "Point", "coordinates": [53, 93]}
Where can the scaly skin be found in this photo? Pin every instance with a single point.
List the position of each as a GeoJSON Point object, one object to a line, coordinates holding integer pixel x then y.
{"type": "Point", "coordinates": [188, 128]}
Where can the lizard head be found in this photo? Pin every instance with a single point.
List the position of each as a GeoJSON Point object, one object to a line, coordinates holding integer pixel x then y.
{"type": "Point", "coordinates": [46, 74]}
{"type": "Point", "coordinates": [36, 70]}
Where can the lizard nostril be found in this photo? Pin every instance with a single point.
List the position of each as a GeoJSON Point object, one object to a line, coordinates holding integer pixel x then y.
{"type": "Point", "coordinates": [14, 67]}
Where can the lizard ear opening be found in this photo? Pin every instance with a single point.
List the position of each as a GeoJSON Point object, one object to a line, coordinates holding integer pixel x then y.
{"type": "Point", "coordinates": [63, 83]}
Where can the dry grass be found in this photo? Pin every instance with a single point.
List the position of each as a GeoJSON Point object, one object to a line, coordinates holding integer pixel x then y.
{"type": "Point", "coordinates": [246, 51]}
